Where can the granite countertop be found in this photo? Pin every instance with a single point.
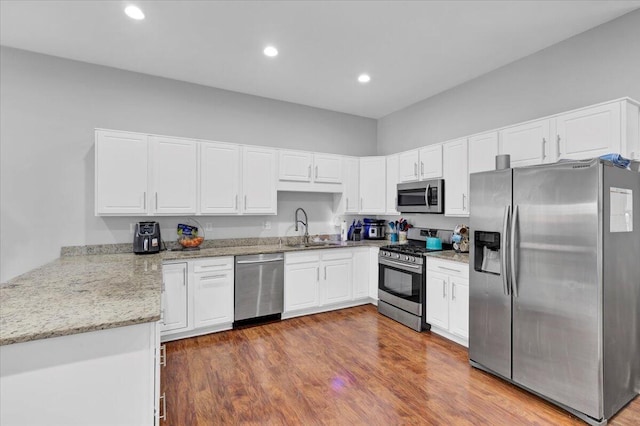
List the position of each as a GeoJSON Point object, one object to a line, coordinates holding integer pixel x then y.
{"type": "Point", "coordinates": [450, 255]}
{"type": "Point", "coordinates": [86, 291]}
{"type": "Point", "coordinates": [80, 293]}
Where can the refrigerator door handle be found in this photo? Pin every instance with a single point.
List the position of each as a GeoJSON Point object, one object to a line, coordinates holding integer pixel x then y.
{"type": "Point", "coordinates": [503, 261]}
{"type": "Point", "coordinates": [512, 250]}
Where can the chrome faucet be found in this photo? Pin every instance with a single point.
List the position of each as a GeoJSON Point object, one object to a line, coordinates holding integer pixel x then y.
{"type": "Point", "coordinates": [305, 238]}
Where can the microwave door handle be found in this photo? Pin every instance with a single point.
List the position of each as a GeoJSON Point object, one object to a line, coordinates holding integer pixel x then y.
{"type": "Point", "coordinates": [427, 195]}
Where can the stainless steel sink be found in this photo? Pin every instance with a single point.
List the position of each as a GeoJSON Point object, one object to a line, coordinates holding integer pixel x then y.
{"type": "Point", "coordinates": [315, 244]}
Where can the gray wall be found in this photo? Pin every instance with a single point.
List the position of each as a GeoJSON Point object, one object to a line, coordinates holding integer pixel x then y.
{"type": "Point", "coordinates": [48, 111]}
{"type": "Point", "coordinates": [595, 66]}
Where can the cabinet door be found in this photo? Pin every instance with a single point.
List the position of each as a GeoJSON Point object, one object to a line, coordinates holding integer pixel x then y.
{"type": "Point", "coordinates": [431, 162]}
{"type": "Point", "coordinates": [437, 300]}
{"type": "Point", "coordinates": [482, 152]}
{"type": "Point", "coordinates": [589, 132]}
{"type": "Point", "coordinates": [408, 163]}
{"type": "Point", "coordinates": [174, 297]}
{"type": "Point", "coordinates": [337, 281]}
{"type": "Point", "coordinates": [295, 166]}
{"type": "Point", "coordinates": [259, 180]}
{"type": "Point", "coordinates": [456, 178]}
{"type": "Point", "coordinates": [301, 286]}
{"type": "Point", "coordinates": [121, 173]}
{"type": "Point", "coordinates": [219, 178]}
{"type": "Point", "coordinates": [327, 168]}
{"type": "Point", "coordinates": [361, 273]}
{"type": "Point", "coordinates": [392, 184]}
{"type": "Point", "coordinates": [174, 171]}
{"type": "Point", "coordinates": [213, 298]}
{"type": "Point", "coordinates": [459, 307]}
{"type": "Point", "coordinates": [527, 144]}
{"type": "Point", "coordinates": [373, 184]}
{"type": "Point", "coordinates": [351, 185]}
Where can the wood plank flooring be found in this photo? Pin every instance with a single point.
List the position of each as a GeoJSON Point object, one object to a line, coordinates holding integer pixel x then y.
{"type": "Point", "coordinates": [347, 367]}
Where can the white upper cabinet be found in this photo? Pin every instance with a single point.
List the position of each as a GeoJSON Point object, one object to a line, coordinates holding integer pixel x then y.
{"type": "Point", "coordinates": [372, 185]}
{"type": "Point", "coordinates": [174, 170]}
{"type": "Point", "coordinates": [296, 166]}
{"type": "Point", "coordinates": [529, 143]}
{"type": "Point", "coordinates": [259, 174]}
{"type": "Point", "coordinates": [589, 132]}
{"type": "Point", "coordinates": [327, 168]}
{"type": "Point", "coordinates": [392, 184]}
{"type": "Point", "coordinates": [456, 182]}
{"type": "Point", "coordinates": [351, 196]}
{"type": "Point", "coordinates": [219, 178]}
{"type": "Point", "coordinates": [482, 152]}
{"type": "Point", "coordinates": [430, 166]}
{"type": "Point", "coordinates": [121, 182]}
{"type": "Point", "coordinates": [408, 163]}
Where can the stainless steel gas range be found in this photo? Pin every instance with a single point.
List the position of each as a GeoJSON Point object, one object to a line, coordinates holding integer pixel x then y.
{"type": "Point", "coordinates": [402, 280]}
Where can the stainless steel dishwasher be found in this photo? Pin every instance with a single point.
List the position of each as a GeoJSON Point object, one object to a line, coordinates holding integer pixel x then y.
{"type": "Point", "coordinates": [259, 288]}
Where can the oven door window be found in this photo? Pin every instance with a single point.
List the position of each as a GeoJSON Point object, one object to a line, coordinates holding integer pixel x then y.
{"type": "Point", "coordinates": [403, 284]}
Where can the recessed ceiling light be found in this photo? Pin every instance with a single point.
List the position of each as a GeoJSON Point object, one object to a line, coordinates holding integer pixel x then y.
{"type": "Point", "coordinates": [270, 51]}
{"type": "Point", "coordinates": [134, 12]}
{"type": "Point", "coordinates": [364, 78]}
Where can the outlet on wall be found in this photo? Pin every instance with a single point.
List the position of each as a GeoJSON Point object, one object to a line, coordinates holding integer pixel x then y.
{"type": "Point", "coordinates": [208, 227]}
{"type": "Point", "coordinates": [266, 224]}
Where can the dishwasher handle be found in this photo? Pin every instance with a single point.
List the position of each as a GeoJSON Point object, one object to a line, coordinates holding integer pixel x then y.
{"type": "Point", "coordinates": [257, 259]}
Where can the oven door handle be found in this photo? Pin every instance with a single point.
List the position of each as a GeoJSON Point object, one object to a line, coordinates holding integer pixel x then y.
{"type": "Point", "coordinates": [417, 268]}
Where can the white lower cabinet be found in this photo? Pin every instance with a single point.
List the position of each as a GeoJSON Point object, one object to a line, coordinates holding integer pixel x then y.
{"type": "Point", "coordinates": [448, 299]}
{"type": "Point", "coordinates": [197, 297]}
{"type": "Point", "coordinates": [322, 280]}
{"type": "Point", "coordinates": [104, 377]}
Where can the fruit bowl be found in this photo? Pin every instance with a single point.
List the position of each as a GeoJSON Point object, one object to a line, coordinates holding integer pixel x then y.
{"type": "Point", "coordinates": [190, 242]}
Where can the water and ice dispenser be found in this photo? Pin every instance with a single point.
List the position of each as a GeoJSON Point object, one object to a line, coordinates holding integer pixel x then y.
{"type": "Point", "coordinates": [487, 252]}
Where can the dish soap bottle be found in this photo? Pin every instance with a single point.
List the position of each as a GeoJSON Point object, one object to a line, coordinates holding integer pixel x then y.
{"type": "Point", "coordinates": [343, 231]}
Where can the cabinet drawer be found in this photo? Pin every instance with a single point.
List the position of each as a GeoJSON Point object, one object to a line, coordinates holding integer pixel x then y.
{"type": "Point", "coordinates": [212, 264]}
{"type": "Point", "coordinates": [337, 254]}
{"type": "Point", "coordinates": [302, 257]}
{"type": "Point", "coordinates": [454, 269]}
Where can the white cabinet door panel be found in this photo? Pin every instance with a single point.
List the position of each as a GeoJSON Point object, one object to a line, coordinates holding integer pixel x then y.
{"type": "Point", "coordinates": [482, 152]}
{"type": "Point", "coordinates": [174, 297]}
{"type": "Point", "coordinates": [301, 286]}
{"type": "Point", "coordinates": [213, 298]}
{"type": "Point", "coordinates": [174, 172]}
{"type": "Point", "coordinates": [336, 281]}
{"type": "Point", "coordinates": [430, 162]}
{"type": "Point", "coordinates": [219, 178]}
{"type": "Point", "coordinates": [352, 185]}
{"type": "Point", "coordinates": [121, 173]}
{"type": "Point", "coordinates": [392, 184]}
{"type": "Point", "coordinates": [361, 272]}
{"type": "Point", "coordinates": [259, 180]}
{"type": "Point", "coordinates": [456, 178]}
{"type": "Point", "coordinates": [295, 166]}
{"type": "Point", "coordinates": [437, 300]}
{"type": "Point", "coordinates": [408, 163]}
{"type": "Point", "coordinates": [459, 307]}
{"type": "Point", "coordinates": [373, 184]}
{"type": "Point", "coordinates": [327, 168]}
{"type": "Point", "coordinates": [589, 132]}
{"type": "Point", "coordinates": [527, 144]}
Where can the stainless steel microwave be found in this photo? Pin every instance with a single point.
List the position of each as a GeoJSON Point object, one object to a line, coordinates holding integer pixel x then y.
{"type": "Point", "coordinates": [426, 196]}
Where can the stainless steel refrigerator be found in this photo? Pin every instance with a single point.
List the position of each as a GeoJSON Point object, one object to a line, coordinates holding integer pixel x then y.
{"type": "Point", "coordinates": [554, 303]}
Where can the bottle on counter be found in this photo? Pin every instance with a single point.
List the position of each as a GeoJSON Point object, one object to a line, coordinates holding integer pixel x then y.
{"type": "Point", "coordinates": [343, 231]}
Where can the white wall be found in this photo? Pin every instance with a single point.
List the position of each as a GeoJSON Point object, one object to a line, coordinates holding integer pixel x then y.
{"type": "Point", "coordinates": [598, 65]}
{"type": "Point", "coordinates": [48, 111]}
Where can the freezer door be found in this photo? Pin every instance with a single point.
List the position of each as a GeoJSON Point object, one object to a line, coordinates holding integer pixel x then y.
{"type": "Point", "coordinates": [556, 283]}
{"type": "Point", "coordinates": [489, 300]}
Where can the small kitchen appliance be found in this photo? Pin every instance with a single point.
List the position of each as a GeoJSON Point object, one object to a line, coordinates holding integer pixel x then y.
{"type": "Point", "coordinates": [426, 196]}
{"type": "Point", "coordinates": [146, 238]}
{"type": "Point", "coordinates": [374, 229]}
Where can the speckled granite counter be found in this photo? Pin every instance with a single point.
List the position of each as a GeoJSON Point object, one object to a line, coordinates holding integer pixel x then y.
{"type": "Point", "coordinates": [450, 255]}
{"type": "Point", "coordinates": [82, 292]}
{"type": "Point", "coordinates": [78, 294]}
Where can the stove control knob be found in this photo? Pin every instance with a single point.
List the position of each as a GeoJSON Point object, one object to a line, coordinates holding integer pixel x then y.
{"type": "Point", "coordinates": [396, 255]}
{"type": "Point", "coordinates": [412, 259]}
{"type": "Point", "coordinates": [406, 257]}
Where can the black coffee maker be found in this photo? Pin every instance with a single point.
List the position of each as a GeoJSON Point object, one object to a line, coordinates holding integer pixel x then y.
{"type": "Point", "coordinates": [146, 238]}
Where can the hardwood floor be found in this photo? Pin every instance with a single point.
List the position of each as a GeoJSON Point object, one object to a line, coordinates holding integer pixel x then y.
{"type": "Point", "coordinates": [348, 367]}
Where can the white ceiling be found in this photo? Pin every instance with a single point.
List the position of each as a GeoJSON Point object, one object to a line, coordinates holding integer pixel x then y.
{"type": "Point", "coordinates": [411, 49]}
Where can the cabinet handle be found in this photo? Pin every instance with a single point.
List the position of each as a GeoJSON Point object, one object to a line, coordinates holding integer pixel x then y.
{"type": "Point", "coordinates": [245, 202]}
{"type": "Point", "coordinates": [309, 171]}
{"type": "Point", "coordinates": [544, 142]}
{"type": "Point", "coordinates": [558, 145]}
{"type": "Point", "coordinates": [361, 203]}
{"type": "Point", "coordinates": [163, 355]}
{"type": "Point", "coordinates": [325, 273]}
{"type": "Point", "coordinates": [144, 197]}
{"type": "Point", "coordinates": [415, 169]}
{"type": "Point", "coordinates": [463, 206]}
{"type": "Point", "coordinates": [215, 265]}
{"type": "Point", "coordinates": [162, 317]}
{"type": "Point", "coordinates": [422, 168]}
{"type": "Point", "coordinates": [184, 274]}
{"type": "Point", "coordinates": [236, 202]}
{"type": "Point", "coordinates": [453, 291]}
{"type": "Point", "coordinates": [156, 201]}
{"type": "Point", "coordinates": [318, 274]}
{"type": "Point", "coordinates": [316, 172]}
{"type": "Point", "coordinates": [347, 208]}
{"type": "Point", "coordinates": [210, 277]}
{"type": "Point", "coordinates": [449, 269]}
{"type": "Point", "coordinates": [444, 290]}
{"type": "Point", "coordinates": [163, 405]}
